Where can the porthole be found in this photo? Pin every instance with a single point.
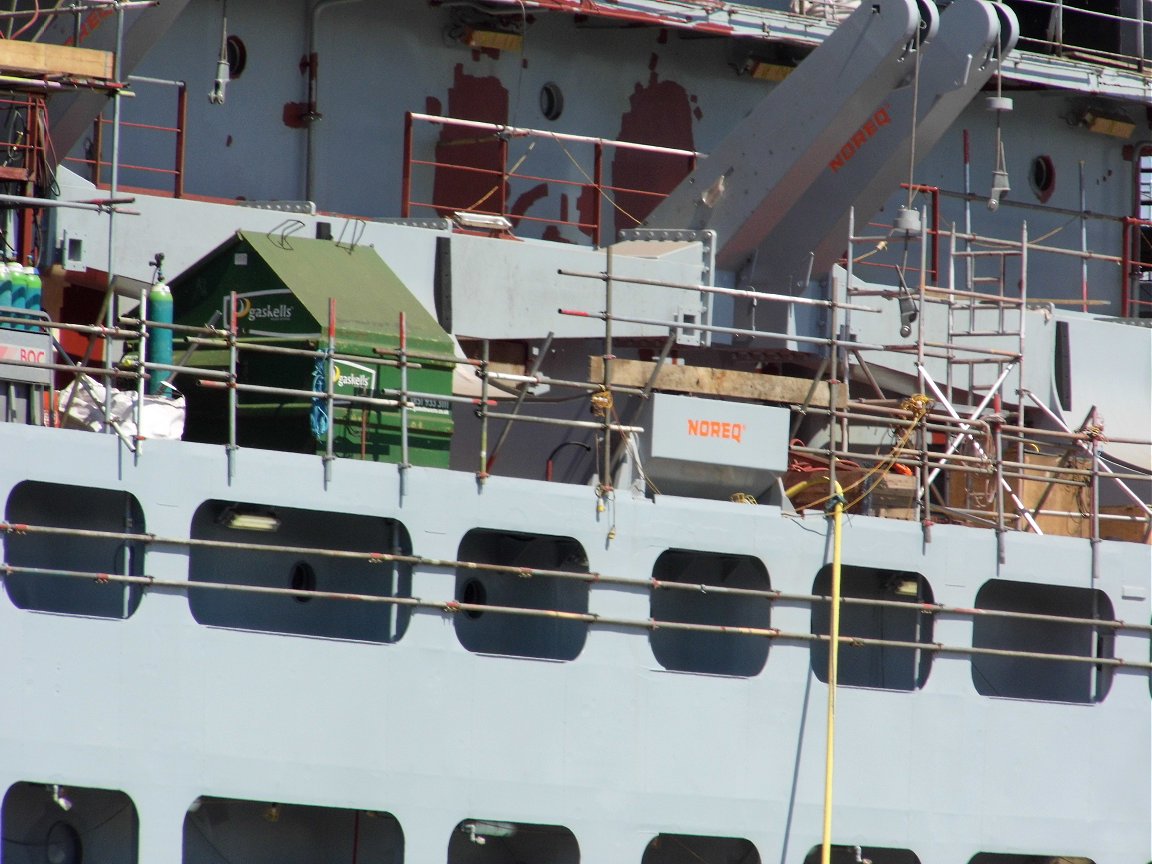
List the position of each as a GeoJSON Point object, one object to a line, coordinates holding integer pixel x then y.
{"type": "Point", "coordinates": [1042, 177]}
{"type": "Point", "coordinates": [62, 845]}
{"type": "Point", "coordinates": [551, 101]}
{"type": "Point", "coordinates": [237, 55]}
{"type": "Point", "coordinates": [474, 594]}
{"type": "Point", "coordinates": [303, 579]}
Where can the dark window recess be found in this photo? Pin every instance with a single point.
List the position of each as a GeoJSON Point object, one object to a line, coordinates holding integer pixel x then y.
{"type": "Point", "coordinates": [690, 849]}
{"type": "Point", "coordinates": [996, 858]}
{"type": "Point", "coordinates": [864, 855]}
{"type": "Point", "coordinates": [493, 632]}
{"type": "Point", "coordinates": [880, 666]}
{"type": "Point", "coordinates": [491, 841]}
{"type": "Point", "coordinates": [718, 653]}
{"type": "Point", "coordinates": [47, 822]}
{"type": "Point", "coordinates": [473, 594]}
{"type": "Point", "coordinates": [227, 829]}
{"type": "Point", "coordinates": [291, 613]}
{"type": "Point", "coordinates": [303, 579]}
{"type": "Point", "coordinates": [1062, 366]}
{"type": "Point", "coordinates": [1042, 177]}
{"type": "Point", "coordinates": [1037, 678]}
{"type": "Point", "coordinates": [551, 101]}
{"type": "Point", "coordinates": [55, 505]}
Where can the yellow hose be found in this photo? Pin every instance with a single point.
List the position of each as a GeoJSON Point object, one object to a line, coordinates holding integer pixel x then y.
{"type": "Point", "coordinates": [837, 516]}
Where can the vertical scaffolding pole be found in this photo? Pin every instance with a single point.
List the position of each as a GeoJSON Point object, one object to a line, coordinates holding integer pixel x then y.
{"type": "Point", "coordinates": [404, 466]}
{"type": "Point", "coordinates": [925, 506]}
{"type": "Point", "coordinates": [482, 471]}
{"type": "Point", "coordinates": [606, 471]}
{"type": "Point", "coordinates": [1018, 453]}
{"type": "Point", "coordinates": [1083, 242]}
{"type": "Point", "coordinates": [233, 348]}
{"type": "Point", "coordinates": [111, 311]}
{"type": "Point", "coordinates": [330, 394]}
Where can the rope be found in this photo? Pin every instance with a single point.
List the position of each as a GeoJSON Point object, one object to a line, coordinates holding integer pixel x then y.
{"type": "Point", "coordinates": [917, 405]}
{"type": "Point", "coordinates": [318, 417]}
{"type": "Point", "coordinates": [600, 403]}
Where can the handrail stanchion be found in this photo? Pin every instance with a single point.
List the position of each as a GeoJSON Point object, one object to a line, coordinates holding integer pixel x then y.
{"type": "Point", "coordinates": [502, 192]}
{"type": "Point", "coordinates": [181, 129]}
{"type": "Point", "coordinates": [598, 191]}
{"type": "Point", "coordinates": [406, 177]}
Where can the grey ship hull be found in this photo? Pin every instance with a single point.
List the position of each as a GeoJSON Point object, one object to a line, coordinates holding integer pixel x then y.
{"type": "Point", "coordinates": [609, 744]}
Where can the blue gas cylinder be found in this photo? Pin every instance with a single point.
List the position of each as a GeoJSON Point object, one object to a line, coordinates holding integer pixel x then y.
{"type": "Point", "coordinates": [19, 290]}
{"type": "Point", "coordinates": [159, 338]}
{"type": "Point", "coordinates": [35, 288]}
{"type": "Point", "coordinates": [6, 288]}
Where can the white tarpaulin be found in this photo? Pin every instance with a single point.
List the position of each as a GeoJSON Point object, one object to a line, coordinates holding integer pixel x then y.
{"type": "Point", "coordinates": [82, 407]}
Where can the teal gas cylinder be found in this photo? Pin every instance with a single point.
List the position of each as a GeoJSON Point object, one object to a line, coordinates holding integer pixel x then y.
{"type": "Point", "coordinates": [159, 338]}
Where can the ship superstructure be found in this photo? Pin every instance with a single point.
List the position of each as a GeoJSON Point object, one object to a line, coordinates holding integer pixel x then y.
{"type": "Point", "coordinates": [649, 430]}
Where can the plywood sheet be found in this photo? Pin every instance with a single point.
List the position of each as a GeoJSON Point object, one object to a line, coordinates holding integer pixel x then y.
{"type": "Point", "coordinates": [37, 58]}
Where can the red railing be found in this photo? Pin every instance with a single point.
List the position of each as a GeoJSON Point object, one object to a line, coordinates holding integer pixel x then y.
{"type": "Point", "coordinates": [1137, 269]}
{"type": "Point", "coordinates": [98, 165]}
{"type": "Point", "coordinates": [23, 161]}
{"type": "Point", "coordinates": [480, 177]}
{"type": "Point", "coordinates": [22, 150]}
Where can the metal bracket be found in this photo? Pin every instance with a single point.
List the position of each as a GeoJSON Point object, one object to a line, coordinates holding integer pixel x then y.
{"type": "Point", "coordinates": [691, 314]}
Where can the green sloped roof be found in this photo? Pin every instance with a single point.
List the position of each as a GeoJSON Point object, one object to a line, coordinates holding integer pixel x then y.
{"type": "Point", "coordinates": [369, 296]}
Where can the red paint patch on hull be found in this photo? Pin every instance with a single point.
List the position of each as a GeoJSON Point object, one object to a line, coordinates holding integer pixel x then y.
{"type": "Point", "coordinates": [469, 162]}
{"type": "Point", "coordinates": [294, 115]}
{"type": "Point", "coordinates": [660, 113]}
{"type": "Point", "coordinates": [537, 193]}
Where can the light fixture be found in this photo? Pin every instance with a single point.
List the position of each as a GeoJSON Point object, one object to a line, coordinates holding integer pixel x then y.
{"type": "Point", "coordinates": [481, 221]}
{"type": "Point", "coordinates": [905, 586]}
{"type": "Point", "coordinates": [1103, 120]}
{"type": "Point", "coordinates": [63, 802]}
{"type": "Point", "coordinates": [479, 832]}
{"type": "Point", "coordinates": [272, 813]}
{"type": "Point", "coordinates": [763, 70]}
{"type": "Point", "coordinates": [496, 40]}
{"type": "Point", "coordinates": [249, 519]}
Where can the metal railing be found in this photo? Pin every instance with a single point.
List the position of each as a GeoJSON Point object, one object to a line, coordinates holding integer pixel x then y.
{"type": "Point", "coordinates": [1098, 657]}
{"type": "Point", "coordinates": [499, 181]}
{"type": "Point", "coordinates": [172, 174]}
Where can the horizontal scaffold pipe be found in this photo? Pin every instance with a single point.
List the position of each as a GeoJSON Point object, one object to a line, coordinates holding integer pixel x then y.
{"type": "Point", "coordinates": [559, 382]}
{"type": "Point", "coordinates": [43, 324]}
{"type": "Point", "coordinates": [946, 349]}
{"type": "Point", "coordinates": [713, 328]}
{"type": "Point", "coordinates": [716, 289]}
{"type": "Point", "coordinates": [267, 346]}
{"type": "Point", "coordinates": [572, 424]}
{"type": "Point", "coordinates": [935, 294]}
{"type": "Point", "coordinates": [650, 624]}
{"type": "Point", "coordinates": [195, 329]}
{"type": "Point", "coordinates": [29, 201]}
{"type": "Point", "coordinates": [574, 575]}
